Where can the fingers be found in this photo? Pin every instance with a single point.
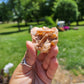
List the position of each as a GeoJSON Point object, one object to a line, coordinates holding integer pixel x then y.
{"type": "Point", "coordinates": [30, 54]}
{"type": "Point", "coordinates": [52, 68]}
{"type": "Point", "coordinates": [42, 56]}
{"type": "Point", "coordinates": [53, 53]}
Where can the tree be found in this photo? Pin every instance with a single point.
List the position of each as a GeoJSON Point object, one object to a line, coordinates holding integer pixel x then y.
{"type": "Point", "coordinates": [17, 11]}
{"type": "Point", "coordinates": [66, 10]}
{"type": "Point", "coordinates": [31, 10]}
{"type": "Point", "coordinates": [80, 4]}
{"type": "Point", "coordinates": [4, 12]}
{"type": "Point", "coordinates": [46, 7]}
{"type": "Point", "coordinates": [11, 4]}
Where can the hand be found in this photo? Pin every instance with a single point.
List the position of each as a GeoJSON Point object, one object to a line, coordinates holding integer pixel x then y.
{"type": "Point", "coordinates": [43, 67]}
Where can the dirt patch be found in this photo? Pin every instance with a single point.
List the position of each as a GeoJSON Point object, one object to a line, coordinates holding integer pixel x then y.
{"type": "Point", "coordinates": [65, 77]}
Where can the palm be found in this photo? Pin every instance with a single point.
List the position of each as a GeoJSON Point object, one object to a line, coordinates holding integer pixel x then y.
{"type": "Point", "coordinates": [40, 74]}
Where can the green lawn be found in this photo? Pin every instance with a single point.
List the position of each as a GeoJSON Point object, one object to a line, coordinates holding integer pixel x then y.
{"type": "Point", "coordinates": [80, 23]}
{"type": "Point", "coordinates": [71, 46]}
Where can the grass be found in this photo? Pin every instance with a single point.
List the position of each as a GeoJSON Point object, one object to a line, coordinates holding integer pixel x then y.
{"type": "Point", "coordinates": [80, 23]}
{"type": "Point", "coordinates": [71, 48]}
{"type": "Point", "coordinates": [12, 46]}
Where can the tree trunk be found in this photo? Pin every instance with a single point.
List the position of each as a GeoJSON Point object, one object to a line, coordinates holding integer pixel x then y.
{"type": "Point", "coordinates": [19, 26]}
{"type": "Point", "coordinates": [37, 21]}
{"type": "Point", "coordinates": [25, 23]}
{"type": "Point", "coordinates": [77, 22]}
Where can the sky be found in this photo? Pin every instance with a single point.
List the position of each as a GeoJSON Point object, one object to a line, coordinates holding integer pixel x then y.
{"type": "Point", "coordinates": [3, 1]}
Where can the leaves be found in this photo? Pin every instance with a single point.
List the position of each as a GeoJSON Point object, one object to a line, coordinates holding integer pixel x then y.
{"type": "Point", "coordinates": [66, 10]}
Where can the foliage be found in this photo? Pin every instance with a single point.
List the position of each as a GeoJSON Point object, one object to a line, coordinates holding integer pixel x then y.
{"type": "Point", "coordinates": [46, 7]}
{"type": "Point", "coordinates": [49, 21]}
{"type": "Point", "coordinates": [31, 10]}
{"type": "Point", "coordinates": [81, 7]}
{"type": "Point", "coordinates": [17, 11]}
{"type": "Point", "coordinates": [28, 10]}
{"type": "Point", "coordinates": [66, 10]}
{"type": "Point", "coordinates": [34, 10]}
{"type": "Point", "coordinates": [4, 13]}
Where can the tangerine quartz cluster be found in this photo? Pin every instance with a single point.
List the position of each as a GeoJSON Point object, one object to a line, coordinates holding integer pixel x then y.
{"type": "Point", "coordinates": [43, 38]}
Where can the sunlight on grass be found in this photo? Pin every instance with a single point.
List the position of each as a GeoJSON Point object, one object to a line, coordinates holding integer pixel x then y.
{"type": "Point", "coordinates": [71, 47]}
{"type": "Point", "coordinates": [80, 23]}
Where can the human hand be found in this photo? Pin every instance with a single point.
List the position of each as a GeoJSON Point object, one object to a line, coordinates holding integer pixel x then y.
{"type": "Point", "coordinates": [43, 67]}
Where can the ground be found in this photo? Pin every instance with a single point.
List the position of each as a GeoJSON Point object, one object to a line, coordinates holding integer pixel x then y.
{"type": "Point", "coordinates": [63, 76]}
{"type": "Point", "coordinates": [70, 56]}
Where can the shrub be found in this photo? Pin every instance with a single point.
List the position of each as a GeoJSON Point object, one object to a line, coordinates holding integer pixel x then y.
{"type": "Point", "coordinates": [66, 10]}
{"type": "Point", "coordinates": [49, 21]}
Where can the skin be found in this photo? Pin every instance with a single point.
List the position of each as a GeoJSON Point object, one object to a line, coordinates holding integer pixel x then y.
{"type": "Point", "coordinates": [43, 68]}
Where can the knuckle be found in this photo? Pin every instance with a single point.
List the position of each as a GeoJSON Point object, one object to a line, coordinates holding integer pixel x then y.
{"type": "Point", "coordinates": [54, 63]}
{"type": "Point", "coordinates": [54, 50]}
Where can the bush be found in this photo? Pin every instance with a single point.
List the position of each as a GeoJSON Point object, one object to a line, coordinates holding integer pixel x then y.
{"type": "Point", "coordinates": [66, 10]}
{"type": "Point", "coordinates": [49, 21]}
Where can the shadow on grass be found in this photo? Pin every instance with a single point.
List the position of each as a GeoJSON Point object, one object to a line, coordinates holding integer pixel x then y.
{"type": "Point", "coordinates": [11, 32]}
{"type": "Point", "coordinates": [15, 26]}
{"type": "Point", "coordinates": [28, 25]}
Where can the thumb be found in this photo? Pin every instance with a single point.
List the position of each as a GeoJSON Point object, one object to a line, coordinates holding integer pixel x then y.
{"type": "Point", "coordinates": [30, 55]}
